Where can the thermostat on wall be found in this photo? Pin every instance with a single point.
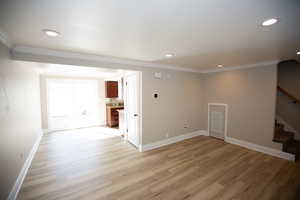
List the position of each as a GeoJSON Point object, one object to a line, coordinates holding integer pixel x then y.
{"type": "Point", "coordinates": [158, 75]}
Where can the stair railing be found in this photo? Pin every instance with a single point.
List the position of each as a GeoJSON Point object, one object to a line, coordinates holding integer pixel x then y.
{"type": "Point", "coordinates": [293, 98]}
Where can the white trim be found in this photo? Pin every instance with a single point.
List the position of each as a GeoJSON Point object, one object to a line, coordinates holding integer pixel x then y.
{"type": "Point", "coordinates": [17, 186]}
{"type": "Point", "coordinates": [226, 117]}
{"type": "Point", "coordinates": [204, 133]}
{"type": "Point", "coordinates": [262, 149]}
{"type": "Point", "coordinates": [5, 39]}
{"type": "Point", "coordinates": [171, 140]}
{"type": "Point", "coordinates": [248, 145]}
{"type": "Point", "coordinates": [140, 108]}
{"type": "Point", "coordinates": [98, 58]}
{"type": "Point", "coordinates": [107, 61]}
{"type": "Point", "coordinates": [232, 68]}
{"type": "Point", "coordinates": [46, 131]}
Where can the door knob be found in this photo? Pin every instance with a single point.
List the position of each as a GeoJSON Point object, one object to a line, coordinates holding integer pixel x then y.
{"type": "Point", "coordinates": [135, 115]}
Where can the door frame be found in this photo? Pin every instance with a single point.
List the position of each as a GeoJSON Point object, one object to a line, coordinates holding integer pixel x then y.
{"type": "Point", "coordinates": [226, 117]}
{"type": "Point", "coordinates": [140, 110]}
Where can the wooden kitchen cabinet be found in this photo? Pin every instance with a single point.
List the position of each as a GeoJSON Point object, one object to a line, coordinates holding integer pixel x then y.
{"type": "Point", "coordinates": [111, 89]}
{"type": "Point", "coordinates": [112, 116]}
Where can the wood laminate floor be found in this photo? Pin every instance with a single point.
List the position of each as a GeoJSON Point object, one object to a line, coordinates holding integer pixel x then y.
{"type": "Point", "coordinates": [91, 166]}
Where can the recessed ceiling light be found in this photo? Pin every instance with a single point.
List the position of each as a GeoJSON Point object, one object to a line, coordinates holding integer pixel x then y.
{"type": "Point", "coordinates": [298, 53]}
{"type": "Point", "coordinates": [169, 55]}
{"type": "Point", "coordinates": [220, 66]}
{"type": "Point", "coordinates": [270, 22]}
{"type": "Point", "coordinates": [51, 33]}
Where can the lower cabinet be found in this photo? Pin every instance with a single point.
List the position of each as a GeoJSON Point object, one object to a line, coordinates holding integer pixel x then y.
{"type": "Point", "coordinates": [112, 116]}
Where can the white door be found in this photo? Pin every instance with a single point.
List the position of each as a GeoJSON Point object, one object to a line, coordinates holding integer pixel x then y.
{"type": "Point", "coordinates": [131, 102]}
{"type": "Point", "coordinates": [217, 120]}
{"type": "Point", "coordinates": [72, 104]}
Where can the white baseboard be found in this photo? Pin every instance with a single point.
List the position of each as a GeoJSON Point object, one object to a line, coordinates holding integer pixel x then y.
{"type": "Point", "coordinates": [17, 186]}
{"type": "Point", "coordinates": [171, 140]}
{"type": "Point", "coordinates": [259, 148]}
{"type": "Point", "coordinates": [248, 145]}
{"type": "Point", "coordinates": [46, 131]}
{"type": "Point", "coordinates": [204, 132]}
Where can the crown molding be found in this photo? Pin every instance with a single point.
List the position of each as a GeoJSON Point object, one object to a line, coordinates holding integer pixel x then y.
{"type": "Point", "coordinates": [106, 60]}
{"type": "Point", "coordinates": [5, 40]}
{"type": "Point", "coordinates": [89, 57]}
{"type": "Point", "coordinates": [232, 68]}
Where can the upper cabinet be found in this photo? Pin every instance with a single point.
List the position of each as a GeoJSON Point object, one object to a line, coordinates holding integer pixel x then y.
{"type": "Point", "coordinates": [111, 89]}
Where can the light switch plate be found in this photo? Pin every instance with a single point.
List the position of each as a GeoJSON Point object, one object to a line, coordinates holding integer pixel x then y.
{"type": "Point", "coordinates": [158, 75]}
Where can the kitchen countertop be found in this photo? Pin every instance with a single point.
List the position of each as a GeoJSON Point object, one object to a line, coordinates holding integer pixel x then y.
{"type": "Point", "coordinates": [115, 107]}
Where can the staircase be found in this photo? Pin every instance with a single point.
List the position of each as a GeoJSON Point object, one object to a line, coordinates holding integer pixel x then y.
{"type": "Point", "coordinates": [288, 108]}
{"type": "Point", "coordinates": [289, 144]}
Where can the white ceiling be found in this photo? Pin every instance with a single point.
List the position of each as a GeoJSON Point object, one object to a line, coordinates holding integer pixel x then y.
{"type": "Point", "coordinates": [201, 33]}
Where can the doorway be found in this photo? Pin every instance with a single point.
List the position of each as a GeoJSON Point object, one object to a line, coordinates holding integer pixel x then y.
{"type": "Point", "coordinates": [99, 100]}
{"type": "Point", "coordinates": [217, 120]}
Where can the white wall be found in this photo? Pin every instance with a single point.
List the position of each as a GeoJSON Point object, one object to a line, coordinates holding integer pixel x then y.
{"type": "Point", "coordinates": [251, 98]}
{"type": "Point", "coordinates": [20, 118]}
{"type": "Point", "coordinates": [179, 104]}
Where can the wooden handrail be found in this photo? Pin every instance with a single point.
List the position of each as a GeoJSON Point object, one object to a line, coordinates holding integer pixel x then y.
{"type": "Point", "coordinates": [295, 100]}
